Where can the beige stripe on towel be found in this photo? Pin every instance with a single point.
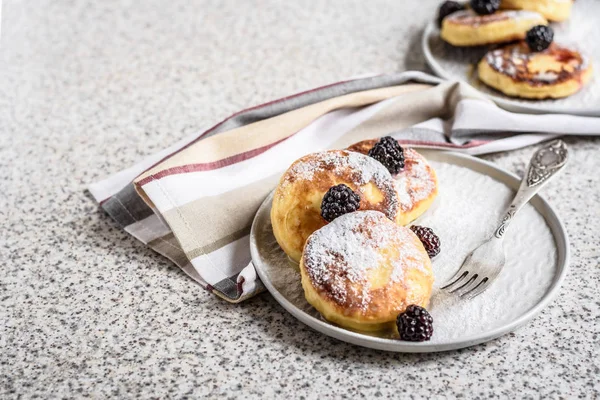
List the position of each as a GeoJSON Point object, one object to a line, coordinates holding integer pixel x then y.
{"type": "Point", "coordinates": [217, 217]}
{"type": "Point", "coordinates": [265, 132]}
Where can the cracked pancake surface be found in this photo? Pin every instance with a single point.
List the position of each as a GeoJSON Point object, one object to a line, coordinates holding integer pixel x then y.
{"type": "Point", "coordinates": [362, 270]}
{"type": "Point", "coordinates": [416, 185]}
{"type": "Point", "coordinates": [296, 209]}
{"type": "Point", "coordinates": [517, 71]}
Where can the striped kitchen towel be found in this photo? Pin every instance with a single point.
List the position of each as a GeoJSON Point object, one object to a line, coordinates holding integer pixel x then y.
{"type": "Point", "coordinates": [194, 202]}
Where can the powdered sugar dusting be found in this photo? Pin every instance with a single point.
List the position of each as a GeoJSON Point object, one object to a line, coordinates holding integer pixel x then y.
{"type": "Point", "coordinates": [508, 62]}
{"type": "Point", "coordinates": [350, 247]}
{"type": "Point", "coordinates": [416, 182]}
{"type": "Point", "coordinates": [514, 61]}
{"type": "Point", "coordinates": [465, 212]}
{"type": "Point", "coordinates": [339, 162]}
{"type": "Point", "coordinates": [360, 169]}
{"type": "Point", "coordinates": [548, 76]}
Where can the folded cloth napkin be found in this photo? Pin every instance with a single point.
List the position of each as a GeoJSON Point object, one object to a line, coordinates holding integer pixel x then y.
{"type": "Point", "coordinates": [195, 201]}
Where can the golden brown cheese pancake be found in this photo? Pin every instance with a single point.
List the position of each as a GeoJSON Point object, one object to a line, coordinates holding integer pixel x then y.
{"type": "Point", "coordinates": [296, 210]}
{"type": "Point", "coordinates": [466, 28]}
{"type": "Point", "coordinates": [553, 10]}
{"type": "Point", "coordinates": [362, 270]}
{"type": "Point", "coordinates": [517, 71]}
{"type": "Point", "coordinates": [416, 184]}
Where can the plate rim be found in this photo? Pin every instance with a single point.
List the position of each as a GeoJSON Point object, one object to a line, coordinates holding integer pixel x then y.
{"type": "Point", "coordinates": [551, 217]}
{"type": "Point", "coordinates": [508, 104]}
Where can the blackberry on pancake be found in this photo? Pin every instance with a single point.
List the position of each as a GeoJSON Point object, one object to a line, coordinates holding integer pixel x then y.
{"type": "Point", "coordinates": [339, 200]}
{"type": "Point", "coordinates": [416, 184]}
{"type": "Point", "coordinates": [296, 211]}
{"type": "Point", "coordinates": [388, 152]}
{"type": "Point", "coordinates": [539, 38]}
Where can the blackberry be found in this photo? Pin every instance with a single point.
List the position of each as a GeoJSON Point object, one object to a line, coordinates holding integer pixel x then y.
{"type": "Point", "coordinates": [339, 200]}
{"type": "Point", "coordinates": [447, 8]}
{"type": "Point", "coordinates": [485, 7]}
{"type": "Point", "coordinates": [430, 240]}
{"type": "Point", "coordinates": [415, 324]}
{"type": "Point", "coordinates": [388, 152]}
{"type": "Point", "coordinates": [539, 37]}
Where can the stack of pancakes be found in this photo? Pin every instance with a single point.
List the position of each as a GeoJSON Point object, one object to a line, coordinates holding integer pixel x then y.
{"type": "Point", "coordinates": [364, 268]}
{"type": "Point", "coordinates": [514, 69]}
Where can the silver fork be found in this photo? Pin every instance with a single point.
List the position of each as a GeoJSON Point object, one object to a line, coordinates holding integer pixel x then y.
{"type": "Point", "coordinates": [484, 264]}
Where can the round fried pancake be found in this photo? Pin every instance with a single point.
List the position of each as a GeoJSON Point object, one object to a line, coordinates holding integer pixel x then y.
{"type": "Point", "coordinates": [553, 10]}
{"type": "Point", "coordinates": [466, 28]}
{"type": "Point", "coordinates": [517, 71]}
{"type": "Point", "coordinates": [416, 184]}
{"type": "Point", "coordinates": [362, 270]}
{"type": "Point", "coordinates": [296, 210]}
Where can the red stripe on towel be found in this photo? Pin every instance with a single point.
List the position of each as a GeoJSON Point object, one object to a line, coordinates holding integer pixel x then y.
{"type": "Point", "coordinates": [183, 169]}
{"type": "Point", "coordinates": [246, 110]}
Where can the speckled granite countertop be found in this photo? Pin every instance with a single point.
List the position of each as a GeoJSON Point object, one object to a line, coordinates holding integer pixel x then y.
{"type": "Point", "coordinates": [88, 88]}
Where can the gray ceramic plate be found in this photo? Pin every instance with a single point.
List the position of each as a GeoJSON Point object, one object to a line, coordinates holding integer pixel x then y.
{"type": "Point", "coordinates": [531, 278]}
{"type": "Point", "coordinates": [581, 32]}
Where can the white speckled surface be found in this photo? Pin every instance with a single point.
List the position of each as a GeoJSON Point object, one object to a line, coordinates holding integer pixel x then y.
{"type": "Point", "coordinates": [88, 88]}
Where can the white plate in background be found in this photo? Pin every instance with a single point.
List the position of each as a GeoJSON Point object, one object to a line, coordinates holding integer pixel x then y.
{"type": "Point", "coordinates": [581, 31]}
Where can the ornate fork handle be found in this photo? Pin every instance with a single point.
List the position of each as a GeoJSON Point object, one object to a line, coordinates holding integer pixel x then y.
{"type": "Point", "coordinates": [544, 164]}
